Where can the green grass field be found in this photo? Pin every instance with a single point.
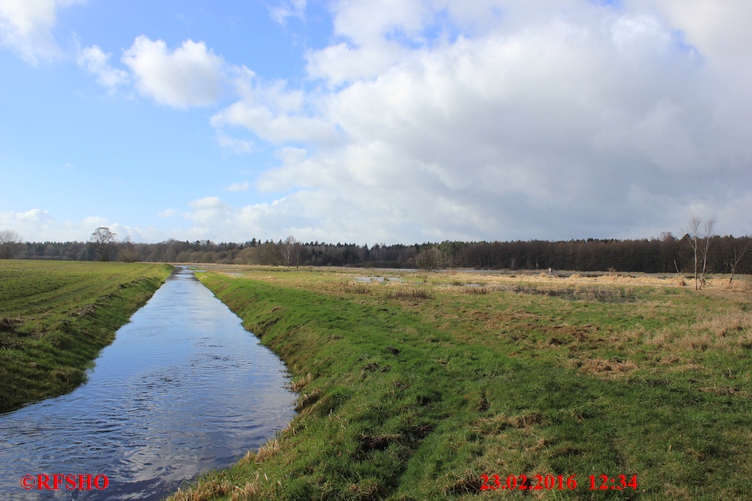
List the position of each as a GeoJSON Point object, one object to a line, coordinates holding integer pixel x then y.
{"type": "Point", "coordinates": [415, 390]}
{"type": "Point", "coordinates": [56, 316]}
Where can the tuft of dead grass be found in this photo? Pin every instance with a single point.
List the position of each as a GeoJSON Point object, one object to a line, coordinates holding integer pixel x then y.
{"type": "Point", "coordinates": [301, 383]}
{"type": "Point", "coordinates": [308, 399]}
{"type": "Point", "coordinates": [353, 287]}
{"type": "Point", "coordinates": [499, 422]}
{"type": "Point", "coordinates": [611, 368]}
{"type": "Point", "coordinates": [409, 293]}
{"type": "Point", "coordinates": [367, 488]}
{"type": "Point", "coordinates": [721, 390]}
{"type": "Point", "coordinates": [249, 491]}
{"type": "Point", "coordinates": [463, 482]}
{"type": "Point", "coordinates": [268, 450]}
{"type": "Point", "coordinates": [203, 492]}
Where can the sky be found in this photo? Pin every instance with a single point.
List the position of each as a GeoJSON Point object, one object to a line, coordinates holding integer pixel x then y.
{"type": "Point", "coordinates": [374, 121]}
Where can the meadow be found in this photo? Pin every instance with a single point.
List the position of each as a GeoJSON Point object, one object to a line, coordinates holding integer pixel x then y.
{"type": "Point", "coordinates": [56, 316]}
{"type": "Point", "coordinates": [419, 386]}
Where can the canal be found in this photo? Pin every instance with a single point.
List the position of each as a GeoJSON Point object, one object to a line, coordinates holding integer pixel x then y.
{"type": "Point", "coordinates": [183, 389]}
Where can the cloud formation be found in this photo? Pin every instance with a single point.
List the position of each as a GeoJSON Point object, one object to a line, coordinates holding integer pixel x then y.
{"type": "Point", "coordinates": [513, 119]}
{"type": "Point", "coordinates": [189, 76]}
{"type": "Point", "coordinates": [26, 27]}
{"type": "Point", "coordinates": [41, 226]}
{"type": "Point", "coordinates": [272, 112]}
{"type": "Point", "coordinates": [96, 62]}
{"type": "Point", "coordinates": [235, 145]}
{"type": "Point", "coordinates": [238, 186]}
{"type": "Point", "coordinates": [287, 8]}
{"type": "Point", "coordinates": [453, 119]}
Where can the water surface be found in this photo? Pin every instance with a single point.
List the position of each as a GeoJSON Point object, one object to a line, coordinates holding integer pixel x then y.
{"type": "Point", "coordinates": [182, 390]}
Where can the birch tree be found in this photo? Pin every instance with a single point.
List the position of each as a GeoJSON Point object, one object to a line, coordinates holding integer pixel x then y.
{"type": "Point", "coordinates": [699, 235]}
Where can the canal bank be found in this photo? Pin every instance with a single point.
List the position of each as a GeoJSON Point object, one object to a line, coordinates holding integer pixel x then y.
{"type": "Point", "coordinates": [182, 390]}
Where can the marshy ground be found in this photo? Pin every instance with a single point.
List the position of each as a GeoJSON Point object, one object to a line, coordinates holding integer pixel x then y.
{"type": "Point", "coordinates": [414, 385]}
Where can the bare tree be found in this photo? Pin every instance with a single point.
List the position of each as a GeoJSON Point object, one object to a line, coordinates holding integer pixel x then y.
{"type": "Point", "coordinates": [297, 253]}
{"type": "Point", "coordinates": [707, 235]}
{"type": "Point", "coordinates": [10, 241]}
{"type": "Point", "coordinates": [288, 250]}
{"type": "Point", "coordinates": [127, 252]}
{"type": "Point", "coordinates": [103, 241]}
{"type": "Point", "coordinates": [738, 255]}
{"type": "Point", "coordinates": [699, 235]}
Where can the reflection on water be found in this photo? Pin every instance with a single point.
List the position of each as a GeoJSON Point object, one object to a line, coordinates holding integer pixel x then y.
{"type": "Point", "coordinates": [182, 390]}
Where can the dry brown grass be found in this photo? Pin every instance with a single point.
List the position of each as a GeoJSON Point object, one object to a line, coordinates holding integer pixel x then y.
{"type": "Point", "coordinates": [463, 482]}
{"type": "Point", "coordinates": [499, 422]}
{"type": "Point", "coordinates": [726, 324]}
{"type": "Point", "coordinates": [612, 368]}
{"type": "Point", "coordinates": [353, 287]}
{"type": "Point", "coordinates": [409, 293]}
{"type": "Point", "coordinates": [725, 331]}
{"type": "Point", "coordinates": [249, 491]}
{"type": "Point", "coordinates": [203, 492]}
{"type": "Point", "coordinates": [308, 399]}
{"type": "Point", "coordinates": [301, 383]}
{"type": "Point", "coordinates": [268, 450]}
{"type": "Point", "coordinates": [714, 283]}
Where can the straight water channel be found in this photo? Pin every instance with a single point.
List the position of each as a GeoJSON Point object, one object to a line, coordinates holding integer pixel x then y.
{"type": "Point", "coordinates": [183, 389]}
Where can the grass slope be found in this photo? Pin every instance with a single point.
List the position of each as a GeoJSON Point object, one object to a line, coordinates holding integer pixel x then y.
{"type": "Point", "coordinates": [56, 316]}
{"type": "Point", "coordinates": [414, 391]}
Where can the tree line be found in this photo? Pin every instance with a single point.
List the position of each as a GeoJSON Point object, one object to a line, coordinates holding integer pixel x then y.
{"type": "Point", "coordinates": [666, 254]}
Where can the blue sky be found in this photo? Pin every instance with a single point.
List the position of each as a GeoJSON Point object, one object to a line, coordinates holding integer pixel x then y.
{"type": "Point", "coordinates": [394, 121]}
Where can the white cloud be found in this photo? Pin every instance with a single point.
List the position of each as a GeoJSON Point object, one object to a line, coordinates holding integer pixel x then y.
{"type": "Point", "coordinates": [719, 29]}
{"type": "Point", "coordinates": [287, 8]}
{"type": "Point", "coordinates": [189, 76]}
{"type": "Point", "coordinates": [372, 23]}
{"type": "Point", "coordinates": [37, 225]}
{"type": "Point", "coordinates": [239, 146]}
{"type": "Point", "coordinates": [342, 63]}
{"type": "Point", "coordinates": [272, 112]}
{"type": "Point", "coordinates": [95, 61]}
{"type": "Point", "coordinates": [238, 186]}
{"type": "Point", "coordinates": [275, 128]}
{"type": "Point", "coordinates": [168, 213]}
{"type": "Point", "coordinates": [511, 120]}
{"type": "Point", "coordinates": [274, 94]}
{"type": "Point", "coordinates": [491, 119]}
{"type": "Point", "coordinates": [205, 209]}
{"type": "Point", "coordinates": [26, 27]}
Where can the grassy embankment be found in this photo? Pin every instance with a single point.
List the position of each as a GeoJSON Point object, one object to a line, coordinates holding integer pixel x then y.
{"type": "Point", "coordinates": [413, 391]}
{"type": "Point", "coordinates": [56, 316]}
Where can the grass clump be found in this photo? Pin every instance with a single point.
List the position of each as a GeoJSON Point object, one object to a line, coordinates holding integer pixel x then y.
{"type": "Point", "coordinates": [409, 293]}
{"type": "Point", "coordinates": [55, 317]}
{"type": "Point", "coordinates": [411, 399]}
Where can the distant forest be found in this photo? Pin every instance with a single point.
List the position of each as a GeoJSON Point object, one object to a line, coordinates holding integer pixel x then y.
{"type": "Point", "coordinates": [666, 254]}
